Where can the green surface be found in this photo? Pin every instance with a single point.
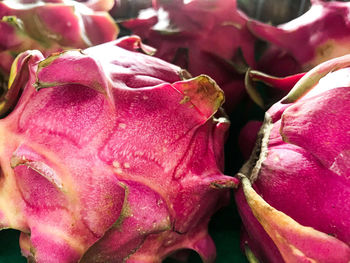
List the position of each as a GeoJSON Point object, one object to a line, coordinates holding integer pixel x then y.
{"type": "Point", "coordinates": [9, 247]}
{"type": "Point", "coordinates": [225, 230]}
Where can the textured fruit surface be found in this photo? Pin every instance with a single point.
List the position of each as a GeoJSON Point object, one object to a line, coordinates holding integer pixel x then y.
{"type": "Point", "coordinates": [322, 33]}
{"type": "Point", "coordinates": [209, 37]}
{"type": "Point", "coordinates": [51, 26]}
{"type": "Point", "coordinates": [111, 155]}
{"type": "Point", "coordinates": [295, 186]}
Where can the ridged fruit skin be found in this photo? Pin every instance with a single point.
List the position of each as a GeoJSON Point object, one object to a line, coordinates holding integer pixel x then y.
{"type": "Point", "coordinates": [51, 26]}
{"type": "Point", "coordinates": [204, 37]}
{"type": "Point", "coordinates": [111, 155]}
{"type": "Point", "coordinates": [295, 187]}
{"type": "Point", "coordinates": [322, 33]}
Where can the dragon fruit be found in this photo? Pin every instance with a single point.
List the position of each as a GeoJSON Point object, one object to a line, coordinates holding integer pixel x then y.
{"type": "Point", "coordinates": [295, 186]}
{"type": "Point", "coordinates": [318, 35]}
{"type": "Point", "coordinates": [207, 37]}
{"type": "Point", "coordinates": [111, 155]}
{"type": "Point", "coordinates": [51, 26]}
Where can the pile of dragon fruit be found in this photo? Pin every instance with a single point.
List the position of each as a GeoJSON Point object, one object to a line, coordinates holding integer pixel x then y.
{"type": "Point", "coordinates": [128, 127]}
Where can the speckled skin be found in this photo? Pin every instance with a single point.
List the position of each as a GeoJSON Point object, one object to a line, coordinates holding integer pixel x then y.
{"type": "Point", "coordinates": [295, 194]}
{"type": "Point", "coordinates": [111, 155]}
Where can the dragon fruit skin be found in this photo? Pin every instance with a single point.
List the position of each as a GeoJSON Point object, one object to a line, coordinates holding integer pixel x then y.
{"type": "Point", "coordinates": [113, 157]}
{"type": "Point", "coordinates": [299, 45]}
{"type": "Point", "coordinates": [51, 26]}
{"type": "Point", "coordinates": [265, 90]}
{"type": "Point", "coordinates": [207, 37]}
{"type": "Point", "coordinates": [295, 187]}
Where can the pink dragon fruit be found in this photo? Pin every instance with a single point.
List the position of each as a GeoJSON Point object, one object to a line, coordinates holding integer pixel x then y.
{"type": "Point", "coordinates": [207, 37]}
{"type": "Point", "coordinates": [320, 34]}
{"type": "Point", "coordinates": [50, 26]}
{"type": "Point", "coordinates": [111, 155]}
{"type": "Point", "coordinates": [295, 186]}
